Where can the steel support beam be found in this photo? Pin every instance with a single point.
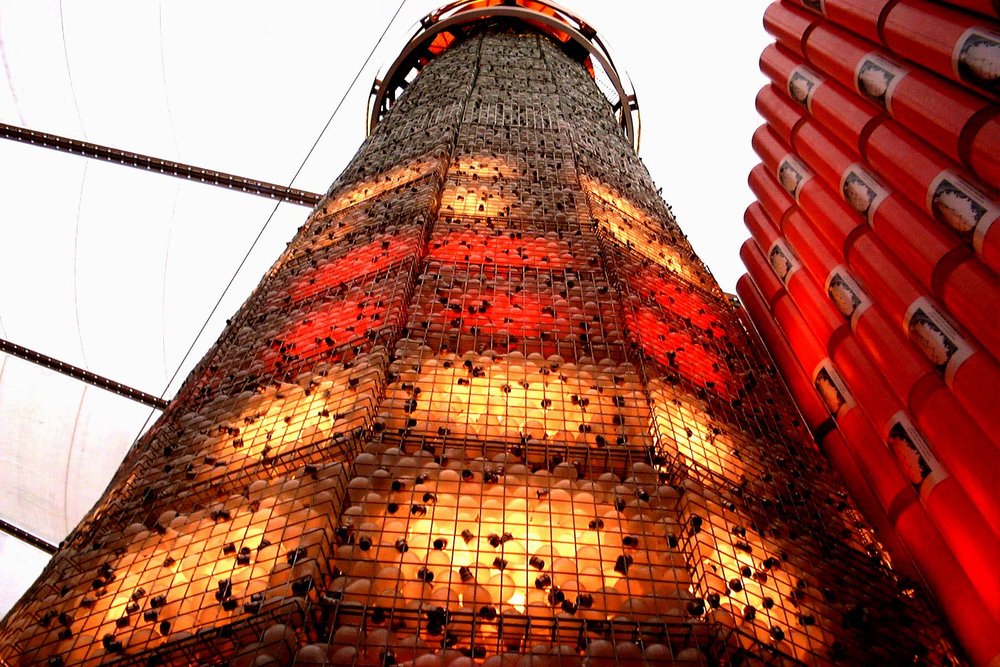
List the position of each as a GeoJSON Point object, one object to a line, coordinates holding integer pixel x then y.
{"type": "Point", "coordinates": [129, 159]}
{"type": "Point", "coordinates": [27, 537]}
{"type": "Point", "coordinates": [77, 373]}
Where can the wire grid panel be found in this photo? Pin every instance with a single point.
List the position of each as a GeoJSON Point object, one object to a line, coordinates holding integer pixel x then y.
{"type": "Point", "coordinates": [505, 242]}
{"type": "Point", "coordinates": [487, 551]}
{"type": "Point", "coordinates": [211, 566]}
{"type": "Point", "coordinates": [512, 397]}
{"type": "Point", "coordinates": [462, 307]}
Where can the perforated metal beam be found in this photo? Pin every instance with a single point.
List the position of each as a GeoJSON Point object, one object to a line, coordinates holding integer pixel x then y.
{"type": "Point", "coordinates": [27, 537]}
{"type": "Point", "coordinates": [77, 373]}
{"type": "Point", "coordinates": [160, 166]}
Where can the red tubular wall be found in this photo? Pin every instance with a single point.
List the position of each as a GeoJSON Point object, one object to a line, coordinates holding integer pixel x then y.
{"type": "Point", "coordinates": [873, 456]}
{"type": "Point", "coordinates": [947, 116]}
{"type": "Point", "coordinates": [934, 254]}
{"type": "Point", "coordinates": [916, 170]}
{"type": "Point", "coordinates": [972, 542]}
{"type": "Point", "coordinates": [912, 522]}
{"type": "Point", "coordinates": [811, 406]}
{"type": "Point", "coordinates": [822, 425]}
{"type": "Point", "coordinates": [858, 16]}
{"type": "Point", "coordinates": [956, 439]}
{"type": "Point", "coordinates": [971, 292]}
{"type": "Point", "coordinates": [929, 34]}
{"type": "Point", "coordinates": [902, 159]}
{"type": "Point", "coordinates": [890, 91]}
{"type": "Point", "coordinates": [971, 296]}
{"type": "Point", "coordinates": [904, 367]}
{"type": "Point", "coordinates": [953, 437]}
{"type": "Point", "coordinates": [927, 105]}
{"type": "Point", "coordinates": [833, 106]}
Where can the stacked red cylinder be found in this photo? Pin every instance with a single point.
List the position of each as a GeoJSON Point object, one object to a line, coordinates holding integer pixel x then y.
{"type": "Point", "coordinates": [874, 270]}
{"type": "Point", "coordinates": [945, 190]}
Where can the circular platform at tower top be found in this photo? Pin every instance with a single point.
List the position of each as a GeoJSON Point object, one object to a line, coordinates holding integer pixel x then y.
{"type": "Point", "coordinates": [448, 25]}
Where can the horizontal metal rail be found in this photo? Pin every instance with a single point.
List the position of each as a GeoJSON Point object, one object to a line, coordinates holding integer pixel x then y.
{"type": "Point", "coordinates": [27, 537]}
{"type": "Point", "coordinates": [77, 373]}
{"type": "Point", "coordinates": [158, 165]}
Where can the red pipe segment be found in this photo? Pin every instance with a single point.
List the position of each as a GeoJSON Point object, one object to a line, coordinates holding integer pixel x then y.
{"type": "Point", "coordinates": [774, 198]}
{"type": "Point", "coordinates": [988, 8]}
{"type": "Point", "coordinates": [931, 181]}
{"type": "Point", "coordinates": [827, 156]}
{"type": "Point", "coordinates": [859, 16]}
{"type": "Point", "coordinates": [956, 45]}
{"type": "Point", "coordinates": [976, 628]}
{"type": "Point", "coordinates": [971, 292]}
{"type": "Point", "coordinates": [969, 483]}
{"type": "Point", "coordinates": [753, 258]}
{"type": "Point", "coordinates": [780, 112]}
{"type": "Point", "coordinates": [981, 148]}
{"type": "Point", "coordinates": [813, 410]}
{"type": "Point", "coordinates": [788, 25]}
{"type": "Point", "coordinates": [820, 423]}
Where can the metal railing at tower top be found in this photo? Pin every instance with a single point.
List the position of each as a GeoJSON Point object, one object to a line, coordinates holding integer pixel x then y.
{"type": "Point", "coordinates": [440, 29]}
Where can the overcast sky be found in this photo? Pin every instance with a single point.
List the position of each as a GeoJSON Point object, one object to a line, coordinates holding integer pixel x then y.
{"type": "Point", "coordinates": [116, 270]}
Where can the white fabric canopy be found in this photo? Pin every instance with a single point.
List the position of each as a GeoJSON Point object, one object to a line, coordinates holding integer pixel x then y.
{"type": "Point", "coordinates": [115, 270]}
